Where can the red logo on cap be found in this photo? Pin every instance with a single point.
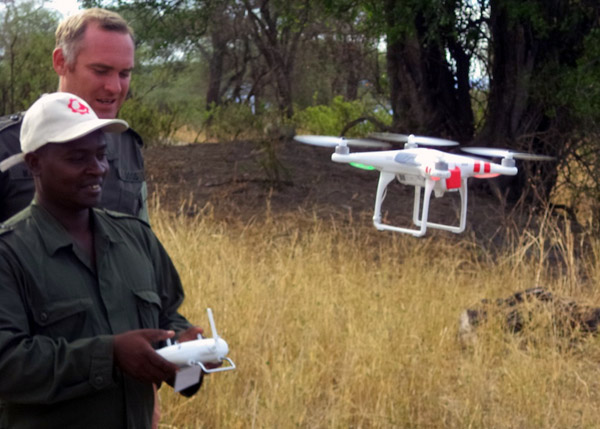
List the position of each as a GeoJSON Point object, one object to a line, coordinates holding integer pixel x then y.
{"type": "Point", "coordinates": [78, 107]}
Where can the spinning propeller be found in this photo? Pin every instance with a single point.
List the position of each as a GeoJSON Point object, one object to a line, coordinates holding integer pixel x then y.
{"type": "Point", "coordinates": [413, 140]}
{"type": "Point", "coordinates": [331, 141]}
{"type": "Point", "coordinates": [506, 153]}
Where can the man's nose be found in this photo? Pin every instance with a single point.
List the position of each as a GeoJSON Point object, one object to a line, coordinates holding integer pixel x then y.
{"type": "Point", "coordinates": [113, 83]}
{"type": "Point", "coordinates": [97, 167]}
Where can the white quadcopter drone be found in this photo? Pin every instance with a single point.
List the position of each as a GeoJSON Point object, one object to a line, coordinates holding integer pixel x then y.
{"type": "Point", "coordinates": [431, 169]}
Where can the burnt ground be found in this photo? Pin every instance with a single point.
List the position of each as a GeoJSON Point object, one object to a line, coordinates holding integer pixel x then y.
{"type": "Point", "coordinates": [237, 181]}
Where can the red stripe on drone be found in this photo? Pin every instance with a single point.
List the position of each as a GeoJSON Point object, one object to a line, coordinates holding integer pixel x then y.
{"type": "Point", "coordinates": [453, 182]}
{"type": "Point", "coordinates": [476, 167]}
{"type": "Point", "coordinates": [487, 167]}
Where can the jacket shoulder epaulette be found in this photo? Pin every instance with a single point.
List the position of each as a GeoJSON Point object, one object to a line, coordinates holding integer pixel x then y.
{"type": "Point", "coordinates": [5, 229]}
{"type": "Point", "coordinates": [10, 120]}
{"type": "Point", "coordinates": [136, 136]}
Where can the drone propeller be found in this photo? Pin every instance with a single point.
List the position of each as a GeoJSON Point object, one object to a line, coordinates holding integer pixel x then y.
{"type": "Point", "coordinates": [391, 137]}
{"type": "Point", "coordinates": [403, 138]}
{"type": "Point", "coordinates": [506, 153]}
{"type": "Point", "coordinates": [331, 141]}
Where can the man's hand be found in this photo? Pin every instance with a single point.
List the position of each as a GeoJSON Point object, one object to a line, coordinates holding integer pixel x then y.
{"type": "Point", "coordinates": [133, 353]}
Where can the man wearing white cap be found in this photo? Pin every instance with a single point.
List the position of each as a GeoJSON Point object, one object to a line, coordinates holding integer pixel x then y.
{"type": "Point", "coordinates": [84, 292]}
{"type": "Point", "coordinates": [94, 57]}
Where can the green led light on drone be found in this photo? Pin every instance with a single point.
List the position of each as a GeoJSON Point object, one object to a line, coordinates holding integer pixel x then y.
{"type": "Point", "coordinates": [362, 166]}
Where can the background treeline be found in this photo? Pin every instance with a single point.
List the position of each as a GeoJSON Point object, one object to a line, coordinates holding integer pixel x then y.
{"type": "Point", "coordinates": [523, 74]}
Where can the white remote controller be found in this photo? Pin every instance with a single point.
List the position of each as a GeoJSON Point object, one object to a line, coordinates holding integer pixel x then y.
{"type": "Point", "coordinates": [200, 352]}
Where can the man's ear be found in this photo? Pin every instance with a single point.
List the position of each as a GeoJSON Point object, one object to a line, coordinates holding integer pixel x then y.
{"type": "Point", "coordinates": [32, 160]}
{"type": "Point", "coordinates": [59, 62]}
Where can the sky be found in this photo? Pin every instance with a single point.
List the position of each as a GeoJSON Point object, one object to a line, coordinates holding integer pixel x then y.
{"type": "Point", "coordinates": [65, 7]}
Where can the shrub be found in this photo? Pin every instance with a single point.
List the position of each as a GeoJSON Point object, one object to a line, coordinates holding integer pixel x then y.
{"type": "Point", "coordinates": [333, 118]}
{"type": "Point", "coordinates": [231, 121]}
{"type": "Point", "coordinates": [156, 126]}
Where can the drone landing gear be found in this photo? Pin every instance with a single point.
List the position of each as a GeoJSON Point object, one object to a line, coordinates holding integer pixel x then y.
{"type": "Point", "coordinates": [421, 221]}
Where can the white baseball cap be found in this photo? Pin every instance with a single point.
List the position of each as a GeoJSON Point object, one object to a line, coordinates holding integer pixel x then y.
{"type": "Point", "coordinates": [59, 117]}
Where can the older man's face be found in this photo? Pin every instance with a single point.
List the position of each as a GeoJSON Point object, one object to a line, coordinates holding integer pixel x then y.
{"type": "Point", "coordinates": [102, 70]}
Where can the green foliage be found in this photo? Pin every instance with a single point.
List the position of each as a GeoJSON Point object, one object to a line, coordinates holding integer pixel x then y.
{"type": "Point", "coordinates": [578, 98]}
{"type": "Point", "coordinates": [583, 83]}
{"type": "Point", "coordinates": [155, 125]}
{"type": "Point", "coordinates": [331, 119]}
{"type": "Point", "coordinates": [231, 121]}
{"type": "Point", "coordinates": [166, 95]}
{"type": "Point", "coordinates": [26, 44]}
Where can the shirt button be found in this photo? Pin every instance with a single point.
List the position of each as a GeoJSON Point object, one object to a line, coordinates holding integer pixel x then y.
{"type": "Point", "coordinates": [44, 317]}
{"type": "Point", "coordinates": [98, 380]}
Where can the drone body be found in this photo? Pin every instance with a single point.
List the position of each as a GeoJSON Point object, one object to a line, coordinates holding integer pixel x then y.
{"type": "Point", "coordinates": [428, 170]}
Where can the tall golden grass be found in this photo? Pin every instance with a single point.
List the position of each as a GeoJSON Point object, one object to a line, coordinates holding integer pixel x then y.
{"type": "Point", "coordinates": [335, 325]}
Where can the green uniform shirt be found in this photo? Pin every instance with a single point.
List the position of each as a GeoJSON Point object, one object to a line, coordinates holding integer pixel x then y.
{"type": "Point", "coordinates": [124, 187]}
{"type": "Point", "coordinates": [58, 314]}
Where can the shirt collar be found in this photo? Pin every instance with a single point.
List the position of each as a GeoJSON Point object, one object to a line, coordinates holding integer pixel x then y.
{"type": "Point", "coordinates": [55, 236]}
{"type": "Point", "coordinates": [52, 233]}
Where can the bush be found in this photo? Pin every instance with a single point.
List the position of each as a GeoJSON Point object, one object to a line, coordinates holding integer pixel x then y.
{"type": "Point", "coordinates": [232, 121]}
{"type": "Point", "coordinates": [332, 119]}
{"type": "Point", "coordinates": [156, 126]}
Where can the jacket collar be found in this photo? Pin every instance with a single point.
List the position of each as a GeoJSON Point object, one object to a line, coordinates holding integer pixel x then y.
{"type": "Point", "coordinates": [54, 236]}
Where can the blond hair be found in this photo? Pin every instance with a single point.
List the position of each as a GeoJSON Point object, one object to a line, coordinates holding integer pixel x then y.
{"type": "Point", "coordinates": [71, 30]}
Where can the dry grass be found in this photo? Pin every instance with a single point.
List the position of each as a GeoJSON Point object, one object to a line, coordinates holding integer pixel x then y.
{"type": "Point", "coordinates": [335, 325]}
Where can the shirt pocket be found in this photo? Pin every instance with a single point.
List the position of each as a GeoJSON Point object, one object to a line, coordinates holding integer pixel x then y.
{"type": "Point", "coordinates": [148, 308]}
{"type": "Point", "coordinates": [122, 190]}
{"type": "Point", "coordinates": [64, 318]}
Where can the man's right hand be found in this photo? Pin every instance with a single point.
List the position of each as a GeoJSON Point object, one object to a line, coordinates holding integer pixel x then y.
{"type": "Point", "coordinates": [133, 353]}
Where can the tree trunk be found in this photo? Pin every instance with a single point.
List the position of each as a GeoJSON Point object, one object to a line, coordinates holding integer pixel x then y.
{"type": "Point", "coordinates": [219, 45]}
{"type": "Point", "coordinates": [426, 97]}
{"type": "Point", "coordinates": [527, 50]}
{"type": "Point", "coordinates": [278, 46]}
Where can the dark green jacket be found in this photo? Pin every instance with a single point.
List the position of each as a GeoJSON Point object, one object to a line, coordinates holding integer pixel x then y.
{"type": "Point", "coordinates": [58, 315]}
{"type": "Point", "coordinates": [124, 187]}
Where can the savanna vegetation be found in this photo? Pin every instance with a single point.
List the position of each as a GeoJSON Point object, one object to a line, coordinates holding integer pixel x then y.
{"type": "Point", "coordinates": [332, 324]}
